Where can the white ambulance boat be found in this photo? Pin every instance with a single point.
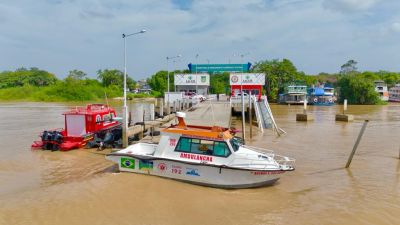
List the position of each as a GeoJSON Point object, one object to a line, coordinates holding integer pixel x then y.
{"type": "Point", "coordinates": [209, 156]}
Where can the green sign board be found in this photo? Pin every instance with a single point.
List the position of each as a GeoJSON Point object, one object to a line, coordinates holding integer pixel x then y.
{"type": "Point", "coordinates": [219, 68]}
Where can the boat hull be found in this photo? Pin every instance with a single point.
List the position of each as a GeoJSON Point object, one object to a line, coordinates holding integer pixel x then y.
{"type": "Point", "coordinates": [197, 173]}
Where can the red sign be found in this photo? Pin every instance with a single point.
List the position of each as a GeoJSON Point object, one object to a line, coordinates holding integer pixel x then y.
{"type": "Point", "coordinates": [172, 142]}
{"type": "Point", "coordinates": [162, 167]}
{"type": "Point", "coordinates": [196, 157]}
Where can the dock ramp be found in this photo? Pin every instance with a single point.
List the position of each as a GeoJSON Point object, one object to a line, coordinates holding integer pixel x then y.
{"type": "Point", "coordinates": [264, 116]}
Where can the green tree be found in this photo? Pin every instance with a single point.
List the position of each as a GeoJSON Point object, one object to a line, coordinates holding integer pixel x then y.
{"type": "Point", "coordinates": [349, 67]}
{"type": "Point", "coordinates": [278, 74]}
{"type": "Point", "coordinates": [115, 77]}
{"type": "Point", "coordinates": [76, 74]}
{"type": "Point", "coordinates": [23, 76]}
{"type": "Point", "coordinates": [219, 83]}
{"type": "Point", "coordinates": [357, 90]}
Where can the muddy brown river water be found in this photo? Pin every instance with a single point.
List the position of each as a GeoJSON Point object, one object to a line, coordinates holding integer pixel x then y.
{"type": "Point", "coordinates": [80, 187]}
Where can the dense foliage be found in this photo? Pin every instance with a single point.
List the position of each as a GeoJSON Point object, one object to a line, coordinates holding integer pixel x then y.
{"type": "Point", "coordinates": [115, 77]}
{"type": "Point", "coordinates": [39, 85]}
{"type": "Point", "coordinates": [23, 76]}
{"type": "Point", "coordinates": [357, 89]}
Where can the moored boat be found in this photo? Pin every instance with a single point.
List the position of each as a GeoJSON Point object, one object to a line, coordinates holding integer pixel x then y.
{"type": "Point", "coordinates": [394, 93]}
{"type": "Point", "coordinates": [81, 126]}
{"type": "Point", "coordinates": [323, 95]}
{"type": "Point", "coordinates": [295, 94]}
{"type": "Point", "coordinates": [209, 156]}
{"type": "Point", "coordinates": [382, 90]}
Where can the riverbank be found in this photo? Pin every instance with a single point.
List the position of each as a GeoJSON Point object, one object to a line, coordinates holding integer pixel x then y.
{"type": "Point", "coordinates": [66, 93]}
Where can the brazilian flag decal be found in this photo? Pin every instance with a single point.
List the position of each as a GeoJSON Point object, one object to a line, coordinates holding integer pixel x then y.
{"type": "Point", "coordinates": [145, 165]}
{"type": "Point", "coordinates": [127, 163]}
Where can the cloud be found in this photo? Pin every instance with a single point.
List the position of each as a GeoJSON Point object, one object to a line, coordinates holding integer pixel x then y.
{"type": "Point", "coordinates": [63, 35]}
{"type": "Point", "coordinates": [395, 27]}
{"type": "Point", "coordinates": [349, 5]}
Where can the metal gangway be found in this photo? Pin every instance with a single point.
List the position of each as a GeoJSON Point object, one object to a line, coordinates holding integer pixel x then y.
{"type": "Point", "coordinates": [265, 119]}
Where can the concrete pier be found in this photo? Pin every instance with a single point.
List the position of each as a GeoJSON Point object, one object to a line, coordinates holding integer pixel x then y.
{"type": "Point", "coordinates": [304, 117]}
{"type": "Point", "coordinates": [344, 117]}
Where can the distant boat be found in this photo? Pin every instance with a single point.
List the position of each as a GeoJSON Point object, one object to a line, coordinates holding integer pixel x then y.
{"type": "Point", "coordinates": [382, 90]}
{"type": "Point", "coordinates": [295, 94]}
{"type": "Point", "coordinates": [321, 96]}
{"type": "Point", "coordinates": [394, 93]}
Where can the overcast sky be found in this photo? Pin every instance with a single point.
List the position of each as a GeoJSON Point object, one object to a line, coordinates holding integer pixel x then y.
{"type": "Point", "coordinates": [317, 35]}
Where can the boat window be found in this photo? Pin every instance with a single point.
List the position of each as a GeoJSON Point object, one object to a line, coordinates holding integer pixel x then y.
{"type": "Point", "coordinates": [203, 147]}
{"type": "Point", "coordinates": [221, 149]}
{"type": "Point", "coordinates": [183, 145]}
{"type": "Point", "coordinates": [236, 142]}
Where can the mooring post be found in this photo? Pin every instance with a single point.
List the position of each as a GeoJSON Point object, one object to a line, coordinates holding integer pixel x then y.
{"type": "Point", "coordinates": [357, 142]}
{"type": "Point", "coordinates": [129, 119]}
{"type": "Point", "coordinates": [250, 117]}
{"type": "Point", "coordinates": [144, 126]}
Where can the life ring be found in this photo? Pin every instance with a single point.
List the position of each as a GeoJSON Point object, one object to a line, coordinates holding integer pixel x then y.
{"type": "Point", "coordinates": [315, 100]}
{"type": "Point", "coordinates": [330, 100]}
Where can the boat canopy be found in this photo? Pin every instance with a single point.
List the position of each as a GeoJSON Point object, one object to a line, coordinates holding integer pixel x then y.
{"type": "Point", "coordinates": [214, 132]}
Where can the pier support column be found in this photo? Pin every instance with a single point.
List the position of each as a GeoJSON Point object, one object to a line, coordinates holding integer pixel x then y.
{"type": "Point", "coordinates": [344, 117]}
{"type": "Point", "coordinates": [161, 105]}
{"type": "Point", "coordinates": [304, 116]}
{"type": "Point", "coordinates": [152, 112]}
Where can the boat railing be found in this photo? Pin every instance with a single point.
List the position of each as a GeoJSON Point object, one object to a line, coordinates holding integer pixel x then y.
{"type": "Point", "coordinates": [285, 161]}
{"type": "Point", "coordinates": [259, 150]}
{"type": "Point", "coordinates": [247, 159]}
{"type": "Point", "coordinates": [255, 159]}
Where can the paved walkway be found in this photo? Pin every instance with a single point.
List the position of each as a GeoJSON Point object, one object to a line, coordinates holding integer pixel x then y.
{"type": "Point", "coordinates": [210, 113]}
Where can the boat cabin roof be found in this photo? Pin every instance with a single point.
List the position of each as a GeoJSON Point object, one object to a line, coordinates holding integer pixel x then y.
{"type": "Point", "coordinates": [206, 132]}
{"type": "Point", "coordinates": [91, 109]}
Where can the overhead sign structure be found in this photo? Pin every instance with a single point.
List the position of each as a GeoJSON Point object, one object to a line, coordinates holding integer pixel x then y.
{"type": "Point", "coordinates": [192, 79]}
{"type": "Point", "coordinates": [247, 79]}
{"type": "Point", "coordinates": [219, 68]}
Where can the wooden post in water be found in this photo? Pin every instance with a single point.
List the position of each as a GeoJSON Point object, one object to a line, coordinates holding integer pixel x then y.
{"type": "Point", "coordinates": [144, 126]}
{"type": "Point", "coordinates": [130, 119]}
{"type": "Point", "coordinates": [356, 144]}
{"type": "Point", "coordinates": [250, 117]}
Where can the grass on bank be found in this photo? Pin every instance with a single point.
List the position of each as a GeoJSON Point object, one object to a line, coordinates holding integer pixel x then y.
{"type": "Point", "coordinates": [67, 91]}
{"type": "Point", "coordinates": [60, 92]}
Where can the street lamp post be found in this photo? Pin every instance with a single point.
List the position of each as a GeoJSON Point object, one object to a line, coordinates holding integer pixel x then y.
{"type": "Point", "coordinates": [241, 90]}
{"type": "Point", "coordinates": [197, 56]}
{"type": "Point", "coordinates": [125, 108]}
{"type": "Point", "coordinates": [168, 58]}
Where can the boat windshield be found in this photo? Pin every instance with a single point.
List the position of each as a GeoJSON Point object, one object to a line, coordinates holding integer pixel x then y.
{"type": "Point", "coordinates": [236, 143]}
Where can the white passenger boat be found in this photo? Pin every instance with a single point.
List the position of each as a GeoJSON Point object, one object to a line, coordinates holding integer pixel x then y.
{"type": "Point", "coordinates": [209, 156]}
{"type": "Point", "coordinates": [382, 90]}
{"type": "Point", "coordinates": [394, 93]}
